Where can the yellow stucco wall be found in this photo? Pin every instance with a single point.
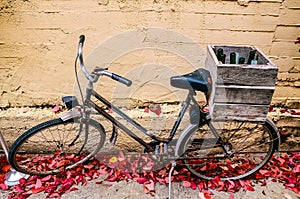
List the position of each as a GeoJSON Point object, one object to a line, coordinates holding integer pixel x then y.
{"type": "Point", "coordinates": [38, 43]}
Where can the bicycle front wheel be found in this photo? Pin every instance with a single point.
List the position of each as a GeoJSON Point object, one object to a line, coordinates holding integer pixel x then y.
{"type": "Point", "coordinates": [56, 145]}
{"type": "Point", "coordinates": [241, 149]}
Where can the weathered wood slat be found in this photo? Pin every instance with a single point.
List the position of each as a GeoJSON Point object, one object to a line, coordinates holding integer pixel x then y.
{"type": "Point", "coordinates": [246, 75]}
{"type": "Point", "coordinates": [243, 94]}
{"type": "Point", "coordinates": [244, 112]}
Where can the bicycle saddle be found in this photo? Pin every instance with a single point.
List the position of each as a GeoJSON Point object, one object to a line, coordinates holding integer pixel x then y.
{"type": "Point", "coordinates": [199, 80]}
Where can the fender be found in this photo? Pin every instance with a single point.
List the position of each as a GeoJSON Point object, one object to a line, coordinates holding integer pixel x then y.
{"type": "Point", "coordinates": [191, 127]}
{"type": "Point", "coordinates": [70, 114]}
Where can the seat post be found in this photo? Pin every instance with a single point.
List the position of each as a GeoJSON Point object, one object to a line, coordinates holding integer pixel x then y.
{"type": "Point", "coordinates": [184, 107]}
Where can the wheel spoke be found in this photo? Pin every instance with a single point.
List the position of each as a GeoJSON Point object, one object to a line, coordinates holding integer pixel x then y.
{"type": "Point", "coordinates": [244, 148]}
{"type": "Point", "coordinates": [46, 149]}
{"type": "Point", "coordinates": [244, 140]}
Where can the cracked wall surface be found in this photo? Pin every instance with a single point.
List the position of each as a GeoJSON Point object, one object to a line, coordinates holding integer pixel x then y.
{"type": "Point", "coordinates": [38, 44]}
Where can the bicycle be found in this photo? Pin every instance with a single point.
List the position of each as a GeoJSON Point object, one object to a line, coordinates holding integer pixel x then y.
{"type": "Point", "coordinates": [208, 148]}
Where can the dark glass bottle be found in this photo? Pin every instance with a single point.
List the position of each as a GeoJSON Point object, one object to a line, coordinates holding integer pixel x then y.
{"type": "Point", "coordinates": [222, 58]}
{"type": "Point", "coordinates": [251, 56]}
{"type": "Point", "coordinates": [219, 53]}
{"type": "Point", "coordinates": [241, 60]}
{"type": "Point", "coordinates": [232, 58]}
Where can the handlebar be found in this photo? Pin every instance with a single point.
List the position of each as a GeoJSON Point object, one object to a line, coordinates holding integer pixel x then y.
{"type": "Point", "coordinates": [81, 39]}
{"type": "Point", "coordinates": [121, 79]}
{"type": "Point", "coordinates": [98, 72]}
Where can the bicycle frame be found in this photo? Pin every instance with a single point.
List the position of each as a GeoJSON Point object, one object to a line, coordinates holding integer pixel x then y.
{"type": "Point", "coordinates": [190, 98]}
{"type": "Point", "coordinates": [87, 102]}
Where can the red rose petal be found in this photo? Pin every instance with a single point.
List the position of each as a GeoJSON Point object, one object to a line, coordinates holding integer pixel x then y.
{"type": "Point", "coordinates": [264, 172]}
{"type": "Point", "coordinates": [22, 181]}
{"type": "Point", "coordinates": [141, 180]}
{"type": "Point", "coordinates": [6, 168]}
{"type": "Point", "coordinates": [186, 184]}
{"type": "Point", "coordinates": [89, 166]}
{"type": "Point", "coordinates": [38, 184]}
{"type": "Point", "coordinates": [56, 109]}
{"type": "Point", "coordinates": [149, 186]}
{"type": "Point", "coordinates": [270, 108]}
{"type": "Point", "coordinates": [53, 195]}
{"type": "Point", "coordinates": [4, 186]}
{"type": "Point", "coordinates": [193, 185]}
{"type": "Point", "coordinates": [297, 169]}
{"type": "Point", "coordinates": [249, 188]}
{"type": "Point", "coordinates": [37, 190]}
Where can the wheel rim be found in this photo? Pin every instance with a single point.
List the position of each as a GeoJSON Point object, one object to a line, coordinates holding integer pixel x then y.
{"type": "Point", "coordinates": [56, 147]}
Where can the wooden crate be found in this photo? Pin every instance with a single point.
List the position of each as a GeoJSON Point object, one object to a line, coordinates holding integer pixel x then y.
{"type": "Point", "coordinates": [240, 91]}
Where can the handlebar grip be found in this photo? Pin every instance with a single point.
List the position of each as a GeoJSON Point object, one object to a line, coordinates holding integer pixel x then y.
{"type": "Point", "coordinates": [120, 79]}
{"type": "Point", "coordinates": [81, 39]}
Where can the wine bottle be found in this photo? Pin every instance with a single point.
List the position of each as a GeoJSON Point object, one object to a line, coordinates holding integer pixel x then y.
{"type": "Point", "coordinates": [241, 60]}
{"type": "Point", "coordinates": [223, 58]}
{"type": "Point", "coordinates": [254, 60]}
{"type": "Point", "coordinates": [232, 58]}
{"type": "Point", "coordinates": [219, 53]}
{"type": "Point", "coordinates": [251, 56]}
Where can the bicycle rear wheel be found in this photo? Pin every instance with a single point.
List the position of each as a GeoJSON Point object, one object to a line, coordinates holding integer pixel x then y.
{"type": "Point", "coordinates": [245, 148]}
{"type": "Point", "coordinates": [56, 145]}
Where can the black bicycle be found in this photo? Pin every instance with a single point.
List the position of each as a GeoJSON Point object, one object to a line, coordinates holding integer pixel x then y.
{"type": "Point", "coordinates": [208, 148]}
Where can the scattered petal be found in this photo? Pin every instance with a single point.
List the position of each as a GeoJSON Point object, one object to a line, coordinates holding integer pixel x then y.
{"type": "Point", "coordinates": [4, 186]}
{"type": "Point", "coordinates": [156, 109]}
{"type": "Point", "coordinates": [141, 180]}
{"type": "Point", "coordinates": [56, 109]}
{"type": "Point", "coordinates": [204, 195]}
{"type": "Point", "coordinates": [38, 184]}
{"type": "Point", "coordinates": [186, 184]}
{"type": "Point", "coordinates": [37, 190]}
{"type": "Point", "coordinates": [89, 166]}
{"type": "Point", "coordinates": [6, 168]}
{"type": "Point", "coordinates": [271, 108]}
{"type": "Point", "coordinates": [282, 168]}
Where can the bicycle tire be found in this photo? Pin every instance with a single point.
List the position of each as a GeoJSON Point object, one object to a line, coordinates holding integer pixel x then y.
{"type": "Point", "coordinates": [46, 149]}
{"type": "Point", "coordinates": [205, 158]}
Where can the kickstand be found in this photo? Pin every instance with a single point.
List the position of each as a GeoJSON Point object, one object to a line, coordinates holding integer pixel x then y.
{"type": "Point", "coordinates": [170, 178]}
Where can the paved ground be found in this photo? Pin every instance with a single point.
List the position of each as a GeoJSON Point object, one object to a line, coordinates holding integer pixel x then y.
{"type": "Point", "coordinates": [133, 190]}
